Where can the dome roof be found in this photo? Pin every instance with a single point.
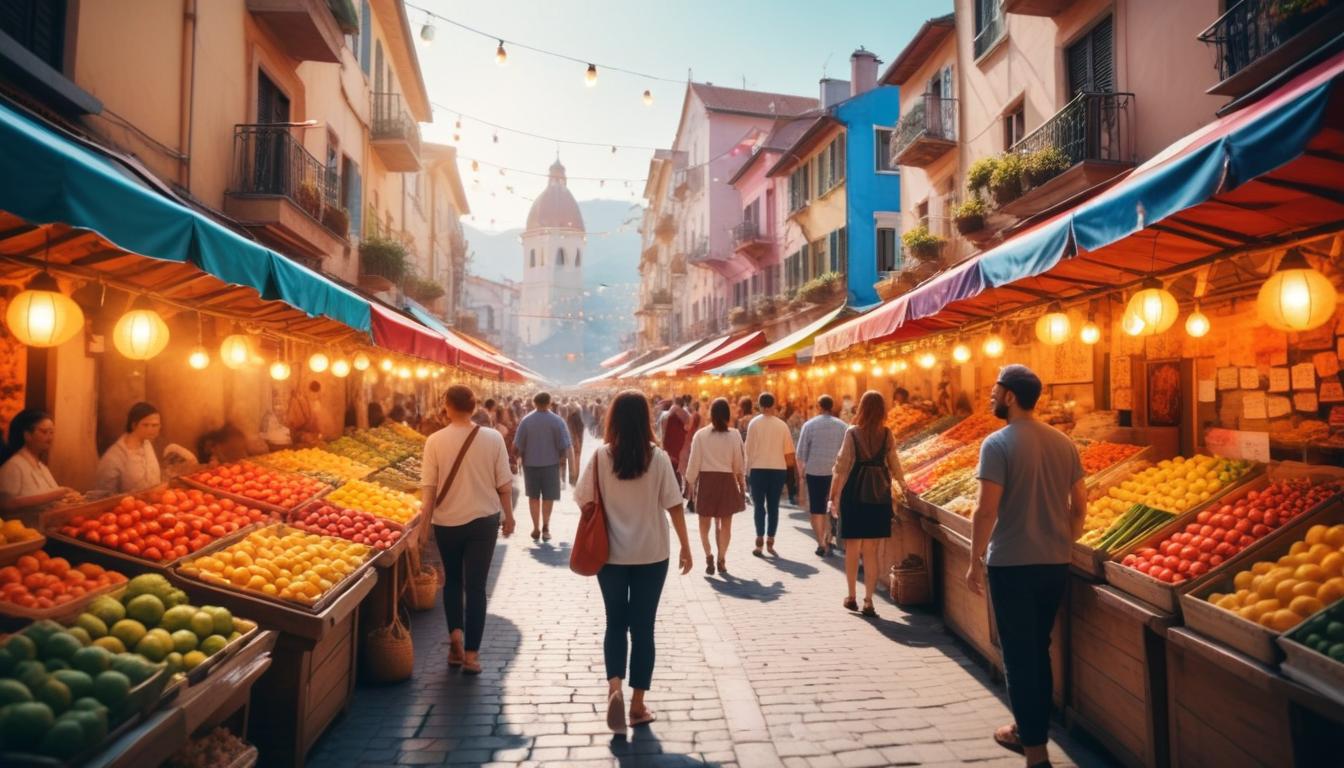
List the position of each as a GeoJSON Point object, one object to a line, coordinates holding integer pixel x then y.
{"type": "Point", "coordinates": [555, 207]}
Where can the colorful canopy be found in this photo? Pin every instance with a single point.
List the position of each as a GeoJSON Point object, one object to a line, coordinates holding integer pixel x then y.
{"type": "Point", "coordinates": [643, 370]}
{"type": "Point", "coordinates": [670, 369]}
{"type": "Point", "coordinates": [785, 347]}
{"type": "Point", "coordinates": [617, 359]}
{"type": "Point", "coordinates": [1267, 173]}
{"type": "Point", "coordinates": [747, 342]}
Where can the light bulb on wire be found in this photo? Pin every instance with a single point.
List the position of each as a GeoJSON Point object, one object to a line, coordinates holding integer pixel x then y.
{"type": "Point", "coordinates": [1197, 324]}
{"type": "Point", "coordinates": [648, 97]}
{"type": "Point", "coordinates": [427, 34]}
{"type": "Point", "coordinates": [590, 77]}
{"type": "Point", "coordinates": [199, 359]}
{"type": "Point", "coordinates": [501, 55]}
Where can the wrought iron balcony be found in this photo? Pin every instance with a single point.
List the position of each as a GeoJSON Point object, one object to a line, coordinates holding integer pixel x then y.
{"type": "Point", "coordinates": [926, 132]}
{"type": "Point", "coordinates": [699, 252]}
{"type": "Point", "coordinates": [1256, 40]}
{"type": "Point", "coordinates": [280, 189]}
{"type": "Point", "coordinates": [395, 134]}
{"type": "Point", "coordinates": [686, 182]}
{"type": "Point", "coordinates": [306, 30]}
{"type": "Point", "coordinates": [661, 298]}
{"type": "Point", "coordinates": [750, 241]}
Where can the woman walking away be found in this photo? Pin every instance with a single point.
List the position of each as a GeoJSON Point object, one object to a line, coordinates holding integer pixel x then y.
{"type": "Point", "coordinates": [744, 416]}
{"type": "Point", "coordinates": [861, 494]}
{"type": "Point", "coordinates": [467, 490]}
{"type": "Point", "coordinates": [716, 480]}
{"type": "Point", "coordinates": [638, 487]}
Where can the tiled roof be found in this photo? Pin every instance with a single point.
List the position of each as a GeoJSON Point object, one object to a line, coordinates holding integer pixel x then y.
{"type": "Point", "coordinates": [719, 99]}
{"type": "Point", "coordinates": [920, 47]}
{"type": "Point", "coordinates": [782, 135]}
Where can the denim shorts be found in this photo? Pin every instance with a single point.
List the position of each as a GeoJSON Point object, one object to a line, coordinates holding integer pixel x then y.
{"type": "Point", "coordinates": [542, 482]}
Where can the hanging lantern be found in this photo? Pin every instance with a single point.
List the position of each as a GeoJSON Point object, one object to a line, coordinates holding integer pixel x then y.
{"type": "Point", "coordinates": [1155, 306]}
{"type": "Point", "coordinates": [280, 370]}
{"type": "Point", "coordinates": [427, 34]}
{"type": "Point", "coordinates": [793, 375]}
{"type": "Point", "coordinates": [235, 351]}
{"type": "Point", "coordinates": [361, 362]}
{"type": "Point", "coordinates": [140, 334]}
{"type": "Point", "coordinates": [648, 97]}
{"type": "Point", "coordinates": [501, 55]}
{"type": "Point", "coordinates": [926, 360]}
{"type": "Point", "coordinates": [993, 346]}
{"type": "Point", "coordinates": [878, 370]}
{"type": "Point", "coordinates": [961, 353]}
{"type": "Point", "coordinates": [590, 77]}
{"type": "Point", "coordinates": [386, 364]}
{"type": "Point", "coordinates": [421, 372]}
{"type": "Point", "coordinates": [318, 362]}
{"type": "Point", "coordinates": [42, 316]}
{"type": "Point", "coordinates": [1197, 324]}
{"type": "Point", "coordinates": [1131, 324]}
{"type": "Point", "coordinates": [831, 369]}
{"type": "Point", "coordinates": [856, 367]}
{"type": "Point", "coordinates": [1053, 327]}
{"type": "Point", "coordinates": [198, 358]}
{"type": "Point", "coordinates": [1089, 333]}
{"type": "Point", "coordinates": [1296, 297]}
{"type": "Point", "coordinates": [901, 366]}
{"type": "Point", "coordinates": [340, 368]}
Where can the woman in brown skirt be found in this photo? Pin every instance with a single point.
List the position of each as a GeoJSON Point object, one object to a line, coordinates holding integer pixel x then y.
{"type": "Point", "coordinates": [715, 480]}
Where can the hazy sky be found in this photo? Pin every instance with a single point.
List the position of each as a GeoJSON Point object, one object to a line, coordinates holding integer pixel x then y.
{"type": "Point", "coordinates": [783, 46]}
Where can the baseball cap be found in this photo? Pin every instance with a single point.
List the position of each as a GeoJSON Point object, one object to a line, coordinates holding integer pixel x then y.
{"type": "Point", "coordinates": [1022, 382]}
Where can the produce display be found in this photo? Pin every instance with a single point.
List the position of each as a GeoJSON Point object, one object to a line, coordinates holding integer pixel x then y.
{"type": "Point", "coordinates": [967, 456]}
{"type": "Point", "coordinates": [969, 430]}
{"type": "Point", "coordinates": [257, 483]}
{"type": "Point", "coordinates": [1216, 535]}
{"type": "Point", "coordinates": [1280, 594]}
{"type": "Point", "coordinates": [60, 696]}
{"type": "Point", "coordinates": [392, 445]}
{"type": "Point", "coordinates": [318, 464]}
{"type": "Point", "coordinates": [356, 451]}
{"type": "Point", "coordinates": [163, 525]}
{"type": "Point", "coordinates": [218, 749]}
{"type": "Point", "coordinates": [1171, 485]}
{"type": "Point", "coordinates": [1139, 521]}
{"type": "Point", "coordinates": [952, 486]}
{"type": "Point", "coordinates": [902, 419]}
{"type": "Point", "coordinates": [403, 476]}
{"type": "Point", "coordinates": [1324, 633]}
{"type": "Point", "coordinates": [1102, 455]}
{"type": "Point", "coordinates": [376, 500]}
{"type": "Point", "coordinates": [40, 581]}
{"type": "Point", "coordinates": [407, 433]}
{"type": "Point", "coordinates": [941, 424]}
{"type": "Point", "coordinates": [280, 562]}
{"type": "Point", "coordinates": [151, 618]}
{"type": "Point", "coordinates": [15, 532]}
{"type": "Point", "coordinates": [356, 526]}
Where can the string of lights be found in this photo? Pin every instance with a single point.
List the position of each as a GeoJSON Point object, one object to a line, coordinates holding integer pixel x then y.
{"type": "Point", "coordinates": [457, 127]}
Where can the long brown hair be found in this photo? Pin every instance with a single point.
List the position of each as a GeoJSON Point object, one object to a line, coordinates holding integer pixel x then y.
{"type": "Point", "coordinates": [871, 418]}
{"type": "Point", "coordinates": [719, 414]}
{"type": "Point", "coordinates": [629, 435]}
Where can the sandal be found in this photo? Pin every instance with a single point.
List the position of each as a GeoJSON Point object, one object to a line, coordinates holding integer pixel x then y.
{"type": "Point", "coordinates": [1006, 736]}
{"type": "Point", "coordinates": [456, 655]}
{"type": "Point", "coordinates": [868, 610]}
{"type": "Point", "coordinates": [644, 719]}
{"type": "Point", "coordinates": [471, 666]}
{"type": "Point", "coordinates": [545, 534]}
{"type": "Point", "coordinates": [723, 567]}
{"type": "Point", "coordinates": [616, 711]}
{"type": "Point", "coordinates": [536, 535]}
{"type": "Point", "coordinates": [709, 565]}
{"type": "Point", "coordinates": [759, 543]}
{"type": "Point", "coordinates": [770, 547]}
{"type": "Point", "coordinates": [851, 604]}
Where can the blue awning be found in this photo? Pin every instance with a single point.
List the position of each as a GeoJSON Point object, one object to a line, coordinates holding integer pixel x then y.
{"type": "Point", "coordinates": [47, 178]}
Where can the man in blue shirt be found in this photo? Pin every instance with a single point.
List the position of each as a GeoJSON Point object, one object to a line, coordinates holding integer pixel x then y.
{"type": "Point", "coordinates": [818, 445]}
{"type": "Point", "coordinates": [543, 442]}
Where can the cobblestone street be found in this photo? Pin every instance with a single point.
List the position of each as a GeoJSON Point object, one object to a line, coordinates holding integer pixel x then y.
{"type": "Point", "coordinates": [762, 668]}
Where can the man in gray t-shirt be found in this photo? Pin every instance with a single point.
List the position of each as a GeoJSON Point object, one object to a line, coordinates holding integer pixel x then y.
{"type": "Point", "coordinates": [1031, 509]}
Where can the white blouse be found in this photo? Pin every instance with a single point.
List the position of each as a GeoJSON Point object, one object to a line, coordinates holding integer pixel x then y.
{"type": "Point", "coordinates": [637, 518]}
{"type": "Point", "coordinates": [715, 452]}
{"type": "Point", "coordinates": [123, 470]}
{"type": "Point", "coordinates": [24, 476]}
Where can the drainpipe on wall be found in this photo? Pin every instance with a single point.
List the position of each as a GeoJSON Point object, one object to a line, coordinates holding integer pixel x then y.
{"type": "Point", "coordinates": [187, 93]}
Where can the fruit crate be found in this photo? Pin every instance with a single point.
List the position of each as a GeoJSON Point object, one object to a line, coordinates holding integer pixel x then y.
{"type": "Point", "coordinates": [11, 552]}
{"type": "Point", "coordinates": [190, 482]}
{"type": "Point", "coordinates": [1087, 560]}
{"type": "Point", "coordinates": [34, 760]}
{"type": "Point", "coordinates": [1122, 468]}
{"type": "Point", "coordinates": [1309, 666]}
{"type": "Point", "coordinates": [382, 557]}
{"type": "Point", "coordinates": [58, 613]}
{"type": "Point", "coordinates": [1250, 638]}
{"type": "Point", "coordinates": [1166, 596]}
{"type": "Point", "coordinates": [958, 524]}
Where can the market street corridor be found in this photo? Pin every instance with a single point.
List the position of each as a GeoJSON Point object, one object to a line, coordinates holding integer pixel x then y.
{"type": "Point", "coordinates": [763, 668]}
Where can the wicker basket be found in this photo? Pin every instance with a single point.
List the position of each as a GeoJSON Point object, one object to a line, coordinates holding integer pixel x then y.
{"type": "Point", "coordinates": [910, 584]}
{"type": "Point", "coordinates": [389, 655]}
{"type": "Point", "coordinates": [424, 585]}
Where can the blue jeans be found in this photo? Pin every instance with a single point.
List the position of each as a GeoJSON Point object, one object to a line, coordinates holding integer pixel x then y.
{"type": "Point", "coordinates": [766, 485]}
{"type": "Point", "coordinates": [631, 594]}
{"type": "Point", "coordinates": [1026, 599]}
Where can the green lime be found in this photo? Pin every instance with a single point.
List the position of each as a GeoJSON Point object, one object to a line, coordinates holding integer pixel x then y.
{"type": "Point", "coordinates": [184, 640]}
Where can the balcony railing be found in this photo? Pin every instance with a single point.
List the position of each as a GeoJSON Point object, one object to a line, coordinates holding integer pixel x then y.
{"type": "Point", "coordinates": [661, 298]}
{"type": "Point", "coordinates": [926, 132]}
{"type": "Point", "coordinates": [269, 160]}
{"type": "Point", "coordinates": [687, 181]}
{"type": "Point", "coordinates": [746, 232]}
{"type": "Point", "coordinates": [698, 252]}
{"type": "Point", "coordinates": [395, 133]}
{"type": "Point", "coordinates": [1253, 34]}
{"type": "Point", "coordinates": [1094, 126]}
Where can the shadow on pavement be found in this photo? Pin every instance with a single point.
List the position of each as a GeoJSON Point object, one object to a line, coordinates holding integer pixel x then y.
{"type": "Point", "coordinates": [731, 586]}
{"type": "Point", "coordinates": [794, 568]}
{"type": "Point", "coordinates": [642, 748]}
{"type": "Point", "coordinates": [549, 554]}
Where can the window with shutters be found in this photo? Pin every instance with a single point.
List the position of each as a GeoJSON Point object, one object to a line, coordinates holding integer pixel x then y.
{"type": "Point", "coordinates": [365, 36]}
{"type": "Point", "coordinates": [1091, 61]}
{"type": "Point", "coordinates": [1014, 125]}
{"type": "Point", "coordinates": [38, 26]}
{"type": "Point", "coordinates": [886, 249]}
{"type": "Point", "coordinates": [799, 192]}
{"type": "Point", "coordinates": [351, 191]}
{"type": "Point", "coordinates": [989, 26]}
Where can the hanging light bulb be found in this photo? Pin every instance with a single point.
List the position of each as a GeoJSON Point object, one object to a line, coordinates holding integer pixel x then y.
{"type": "Point", "coordinates": [1131, 324]}
{"type": "Point", "coordinates": [648, 97]}
{"type": "Point", "coordinates": [793, 375]}
{"type": "Point", "coordinates": [501, 55]}
{"type": "Point", "coordinates": [1155, 306]}
{"type": "Point", "coordinates": [404, 372]}
{"type": "Point", "coordinates": [878, 370]}
{"type": "Point", "coordinates": [993, 346]}
{"type": "Point", "coordinates": [340, 368]}
{"type": "Point", "coordinates": [280, 370]}
{"type": "Point", "coordinates": [386, 364]}
{"type": "Point", "coordinates": [421, 372]}
{"type": "Point", "coordinates": [831, 369]}
{"type": "Point", "coordinates": [475, 166]}
{"type": "Point", "coordinates": [1197, 324]}
{"type": "Point", "coordinates": [140, 334]}
{"type": "Point", "coordinates": [590, 77]}
{"type": "Point", "coordinates": [1053, 327]}
{"type": "Point", "coordinates": [961, 353]}
{"type": "Point", "coordinates": [1296, 297]}
{"type": "Point", "coordinates": [427, 34]}
{"type": "Point", "coordinates": [856, 367]}
{"type": "Point", "coordinates": [318, 363]}
{"type": "Point", "coordinates": [926, 360]}
{"type": "Point", "coordinates": [198, 358]}
{"type": "Point", "coordinates": [42, 316]}
{"type": "Point", "coordinates": [900, 366]}
{"type": "Point", "coordinates": [235, 351]}
{"type": "Point", "coordinates": [1090, 333]}
{"type": "Point", "coordinates": [361, 362]}
{"type": "Point", "coordinates": [457, 125]}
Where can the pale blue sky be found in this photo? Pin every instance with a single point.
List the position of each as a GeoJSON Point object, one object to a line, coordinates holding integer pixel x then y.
{"type": "Point", "coordinates": [783, 46]}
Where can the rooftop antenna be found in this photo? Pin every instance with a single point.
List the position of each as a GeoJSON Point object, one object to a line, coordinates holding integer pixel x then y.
{"type": "Point", "coordinates": [826, 64]}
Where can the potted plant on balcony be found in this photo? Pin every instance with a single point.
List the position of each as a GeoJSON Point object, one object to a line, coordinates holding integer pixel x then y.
{"type": "Point", "coordinates": [821, 288]}
{"type": "Point", "coordinates": [466, 322]}
{"type": "Point", "coordinates": [1006, 180]}
{"type": "Point", "coordinates": [889, 287]}
{"type": "Point", "coordinates": [923, 244]}
{"type": "Point", "coordinates": [336, 219]}
{"type": "Point", "coordinates": [423, 289]}
{"type": "Point", "coordinates": [739, 316]}
{"type": "Point", "coordinates": [1292, 16]}
{"type": "Point", "coordinates": [970, 215]}
{"type": "Point", "coordinates": [383, 259]}
{"type": "Point", "coordinates": [766, 307]}
{"type": "Point", "coordinates": [1044, 164]}
{"type": "Point", "coordinates": [309, 198]}
{"type": "Point", "coordinates": [978, 175]}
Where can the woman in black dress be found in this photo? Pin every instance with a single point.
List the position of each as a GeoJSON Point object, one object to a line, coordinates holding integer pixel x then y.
{"type": "Point", "coordinates": [866, 481]}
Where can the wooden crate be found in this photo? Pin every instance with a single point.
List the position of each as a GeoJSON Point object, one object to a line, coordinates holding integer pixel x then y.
{"type": "Point", "coordinates": [1224, 709]}
{"type": "Point", "coordinates": [1117, 672]}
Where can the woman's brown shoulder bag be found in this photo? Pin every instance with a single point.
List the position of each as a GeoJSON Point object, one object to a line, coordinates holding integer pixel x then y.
{"type": "Point", "coordinates": [591, 546]}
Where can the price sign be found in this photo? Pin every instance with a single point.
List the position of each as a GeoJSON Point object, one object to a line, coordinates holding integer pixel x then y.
{"type": "Point", "coordinates": [1238, 444]}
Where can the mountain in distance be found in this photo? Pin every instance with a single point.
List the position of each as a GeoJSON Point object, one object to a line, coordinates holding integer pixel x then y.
{"type": "Point", "coordinates": [611, 258]}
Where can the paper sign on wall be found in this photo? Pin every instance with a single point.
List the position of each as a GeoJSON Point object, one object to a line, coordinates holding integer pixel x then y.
{"type": "Point", "coordinates": [1305, 401]}
{"type": "Point", "coordinates": [1227, 378]}
{"type": "Point", "coordinates": [1207, 392]}
{"type": "Point", "coordinates": [1327, 364]}
{"type": "Point", "coordinates": [1304, 376]}
{"type": "Point", "coordinates": [1250, 378]}
{"type": "Point", "coordinates": [1238, 444]}
{"type": "Point", "coordinates": [1337, 416]}
{"type": "Point", "coordinates": [1253, 406]}
{"type": "Point", "coordinates": [1332, 391]}
{"type": "Point", "coordinates": [1279, 380]}
{"type": "Point", "coordinates": [1277, 406]}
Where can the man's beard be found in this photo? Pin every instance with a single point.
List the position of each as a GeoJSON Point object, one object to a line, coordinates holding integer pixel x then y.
{"type": "Point", "coordinates": [1001, 411]}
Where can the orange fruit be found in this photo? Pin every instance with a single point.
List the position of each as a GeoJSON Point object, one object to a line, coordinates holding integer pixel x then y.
{"type": "Point", "coordinates": [1331, 590]}
{"type": "Point", "coordinates": [1335, 536]}
{"type": "Point", "coordinates": [1315, 534]}
{"type": "Point", "coordinates": [1305, 605]}
{"type": "Point", "coordinates": [1310, 572]}
{"type": "Point", "coordinates": [1283, 591]}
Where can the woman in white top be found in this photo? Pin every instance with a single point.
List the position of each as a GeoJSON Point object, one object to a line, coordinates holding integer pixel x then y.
{"type": "Point", "coordinates": [474, 510]}
{"type": "Point", "coordinates": [25, 481]}
{"type": "Point", "coordinates": [715, 480]}
{"type": "Point", "coordinates": [638, 486]}
{"type": "Point", "coordinates": [130, 465]}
